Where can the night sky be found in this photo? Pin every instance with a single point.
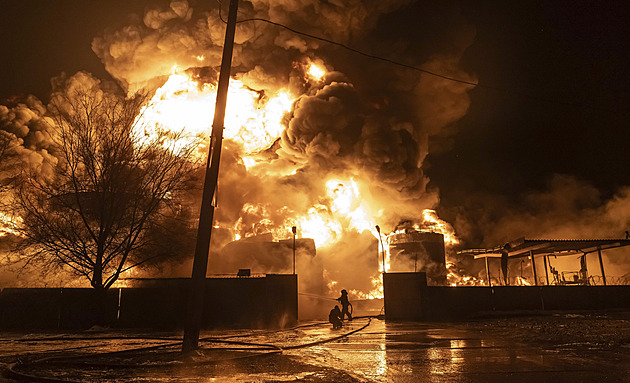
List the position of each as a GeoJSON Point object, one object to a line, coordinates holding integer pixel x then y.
{"type": "Point", "coordinates": [555, 97]}
{"type": "Point", "coordinates": [562, 68]}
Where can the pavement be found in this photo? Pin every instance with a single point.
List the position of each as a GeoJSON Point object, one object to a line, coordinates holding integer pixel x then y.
{"type": "Point", "coordinates": [374, 351]}
{"type": "Point", "coordinates": [413, 352]}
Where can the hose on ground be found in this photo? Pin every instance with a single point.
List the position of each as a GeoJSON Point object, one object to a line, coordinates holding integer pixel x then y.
{"type": "Point", "coordinates": [269, 349]}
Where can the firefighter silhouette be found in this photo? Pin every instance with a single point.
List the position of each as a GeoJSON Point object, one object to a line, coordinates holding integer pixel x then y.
{"type": "Point", "coordinates": [343, 299]}
{"type": "Point", "coordinates": [335, 317]}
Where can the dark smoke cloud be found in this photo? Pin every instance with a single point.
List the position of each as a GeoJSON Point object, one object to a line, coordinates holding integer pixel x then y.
{"type": "Point", "coordinates": [374, 122]}
{"type": "Point", "coordinates": [568, 209]}
{"type": "Point", "coordinates": [29, 137]}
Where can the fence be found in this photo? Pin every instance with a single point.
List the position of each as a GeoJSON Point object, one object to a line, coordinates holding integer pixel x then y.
{"type": "Point", "coordinates": [258, 302]}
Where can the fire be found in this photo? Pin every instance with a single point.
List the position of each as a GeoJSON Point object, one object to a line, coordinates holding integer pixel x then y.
{"type": "Point", "coordinates": [520, 281]}
{"type": "Point", "coordinates": [253, 119]}
{"type": "Point", "coordinates": [8, 224]}
{"type": "Point", "coordinates": [457, 277]}
{"type": "Point", "coordinates": [375, 293]}
{"type": "Point", "coordinates": [342, 196]}
{"type": "Point", "coordinates": [320, 225]}
{"type": "Point", "coordinates": [347, 210]}
{"type": "Point", "coordinates": [182, 104]}
{"type": "Point", "coordinates": [348, 204]}
{"type": "Point", "coordinates": [431, 222]}
{"type": "Point", "coordinates": [316, 71]}
{"type": "Point", "coordinates": [340, 209]}
{"type": "Point", "coordinates": [435, 224]}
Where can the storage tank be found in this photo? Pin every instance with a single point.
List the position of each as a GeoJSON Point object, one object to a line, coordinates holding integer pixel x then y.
{"type": "Point", "coordinates": [414, 250]}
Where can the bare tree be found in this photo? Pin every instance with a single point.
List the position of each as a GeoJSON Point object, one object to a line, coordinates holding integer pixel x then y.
{"type": "Point", "coordinates": [112, 184]}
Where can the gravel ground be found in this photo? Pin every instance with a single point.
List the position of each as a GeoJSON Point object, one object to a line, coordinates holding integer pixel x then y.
{"type": "Point", "coordinates": [603, 331]}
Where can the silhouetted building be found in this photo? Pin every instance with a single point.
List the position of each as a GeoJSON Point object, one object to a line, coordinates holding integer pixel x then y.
{"type": "Point", "coordinates": [413, 250]}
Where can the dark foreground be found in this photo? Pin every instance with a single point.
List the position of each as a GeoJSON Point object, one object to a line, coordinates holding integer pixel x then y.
{"type": "Point", "coordinates": [561, 347]}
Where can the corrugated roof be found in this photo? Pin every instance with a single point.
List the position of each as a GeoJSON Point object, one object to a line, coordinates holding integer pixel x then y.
{"type": "Point", "coordinates": [524, 247]}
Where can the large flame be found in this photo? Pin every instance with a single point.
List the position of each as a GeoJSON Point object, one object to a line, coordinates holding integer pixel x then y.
{"type": "Point", "coordinates": [435, 224]}
{"type": "Point", "coordinates": [253, 119]}
{"type": "Point", "coordinates": [316, 71]}
{"type": "Point", "coordinates": [183, 105]}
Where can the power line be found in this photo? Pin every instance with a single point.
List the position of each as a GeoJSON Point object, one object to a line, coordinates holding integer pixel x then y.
{"type": "Point", "coordinates": [411, 67]}
{"type": "Point", "coordinates": [363, 53]}
{"type": "Point", "coordinates": [353, 49]}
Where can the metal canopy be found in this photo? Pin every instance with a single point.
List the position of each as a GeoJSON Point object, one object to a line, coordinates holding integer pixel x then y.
{"type": "Point", "coordinates": [524, 247]}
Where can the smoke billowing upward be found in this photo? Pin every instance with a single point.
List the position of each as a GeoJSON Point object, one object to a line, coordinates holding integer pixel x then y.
{"type": "Point", "coordinates": [347, 134]}
{"type": "Point", "coordinates": [26, 138]}
{"type": "Point", "coordinates": [353, 138]}
{"type": "Point", "coordinates": [569, 208]}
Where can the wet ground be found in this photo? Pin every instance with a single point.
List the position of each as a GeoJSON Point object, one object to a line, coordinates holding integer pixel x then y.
{"type": "Point", "coordinates": [560, 347]}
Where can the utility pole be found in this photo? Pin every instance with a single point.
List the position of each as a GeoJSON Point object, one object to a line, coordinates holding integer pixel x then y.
{"type": "Point", "coordinates": [197, 283]}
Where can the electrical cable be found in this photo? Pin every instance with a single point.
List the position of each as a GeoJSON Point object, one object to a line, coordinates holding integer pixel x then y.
{"type": "Point", "coordinates": [332, 42]}
{"type": "Point", "coordinates": [435, 74]}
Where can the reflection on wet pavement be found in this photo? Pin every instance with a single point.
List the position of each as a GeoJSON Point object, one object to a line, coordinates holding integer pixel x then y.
{"type": "Point", "coordinates": [381, 352]}
{"type": "Point", "coordinates": [415, 352]}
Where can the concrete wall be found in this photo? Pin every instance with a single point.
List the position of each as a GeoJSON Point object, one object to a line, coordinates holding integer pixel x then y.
{"type": "Point", "coordinates": [407, 297]}
{"type": "Point", "coordinates": [264, 302]}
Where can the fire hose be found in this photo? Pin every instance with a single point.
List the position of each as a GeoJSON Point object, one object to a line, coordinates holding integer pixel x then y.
{"type": "Point", "coordinates": [268, 349]}
{"type": "Point", "coordinates": [328, 299]}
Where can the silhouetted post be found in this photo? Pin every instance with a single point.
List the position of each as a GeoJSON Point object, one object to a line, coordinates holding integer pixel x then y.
{"type": "Point", "coordinates": [294, 230]}
{"type": "Point", "coordinates": [546, 271]}
{"type": "Point", "coordinates": [378, 229]}
{"type": "Point", "coordinates": [488, 273]}
{"type": "Point", "coordinates": [601, 265]}
{"type": "Point", "coordinates": [531, 255]}
{"type": "Point", "coordinates": [204, 230]}
{"type": "Point", "coordinates": [505, 253]}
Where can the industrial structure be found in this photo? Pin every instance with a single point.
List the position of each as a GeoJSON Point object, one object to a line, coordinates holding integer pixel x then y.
{"type": "Point", "coordinates": [538, 253]}
{"type": "Point", "coordinates": [418, 251]}
{"type": "Point", "coordinates": [263, 255]}
{"type": "Point", "coordinates": [408, 296]}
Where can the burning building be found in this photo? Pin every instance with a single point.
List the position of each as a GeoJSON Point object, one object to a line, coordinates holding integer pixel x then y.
{"type": "Point", "coordinates": [419, 251]}
{"type": "Point", "coordinates": [313, 138]}
{"type": "Point", "coordinates": [540, 286]}
{"type": "Point", "coordinates": [262, 254]}
{"type": "Point", "coordinates": [529, 261]}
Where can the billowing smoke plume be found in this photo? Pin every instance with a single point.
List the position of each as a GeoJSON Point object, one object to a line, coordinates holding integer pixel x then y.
{"type": "Point", "coordinates": [360, 132]}
{"type": "Point", "coordinates": [26, 147]}
{"type": "Point", "coordinates": [25, 136]}
{"type": "Point", "coordinates": [172, 34]}
{"type": "Point", "coordinates": [373, 124]}
{"type": "Point", "coordinates": [569, 209]}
